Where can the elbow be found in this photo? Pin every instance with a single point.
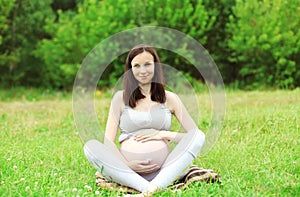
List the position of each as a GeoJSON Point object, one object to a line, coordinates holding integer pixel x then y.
{"type": "Point", "coordinates": [107, 141]}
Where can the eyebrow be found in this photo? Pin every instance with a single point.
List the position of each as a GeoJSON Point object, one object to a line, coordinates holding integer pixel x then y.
{"type": "Point", "coordinates": [146, 62]}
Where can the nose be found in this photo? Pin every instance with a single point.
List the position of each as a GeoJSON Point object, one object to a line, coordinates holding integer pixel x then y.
{"type": "Point", "coordinates": [143, 69]}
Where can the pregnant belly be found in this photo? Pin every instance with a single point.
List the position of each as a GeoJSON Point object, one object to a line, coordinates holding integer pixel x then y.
{"type": "Point", "coordinates": [156, 150]}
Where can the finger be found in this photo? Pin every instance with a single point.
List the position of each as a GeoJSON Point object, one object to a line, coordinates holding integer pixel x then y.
{"type": "Point", "coordinates": [139, 138]}
{"type": "Point", "coordinates": [138, 135]}
{"type": "Point", "coordinates": [150, 169]}
{"type": "Point", "coordinates": [142, 162]}
{"type": "Point", "coordinates": [147, 136]}
{"type": "Point", "coordinates": [145, 162]}
{"type": "Point", "coordinates": [152, 166]}
{"type": "Point", "coordinates": [145, 140]}
{"type": "Point", "coordinates": [149, 166]}
{"type": "Point", "coordinates": [147, 171]}
{"type": "Point", "coordinates": [144, 135]}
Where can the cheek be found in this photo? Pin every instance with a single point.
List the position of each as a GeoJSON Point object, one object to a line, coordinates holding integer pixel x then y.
{"type": "Point", "coordinates": [134, 72]}
{"type": "Point", "coordinates": [151, 71]}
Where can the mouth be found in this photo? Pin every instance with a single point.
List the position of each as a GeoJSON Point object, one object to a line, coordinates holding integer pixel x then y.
{"type": "Point", "coordinates": [144, 77]}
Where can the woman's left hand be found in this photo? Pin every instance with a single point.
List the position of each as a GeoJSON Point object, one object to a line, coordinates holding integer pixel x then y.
{"type": "Point", "coordinates": [150, 134]}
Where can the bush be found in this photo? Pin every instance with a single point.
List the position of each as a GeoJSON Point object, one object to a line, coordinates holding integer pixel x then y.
{"type": "Point", "coordinates": [25, 21]}
{"type": "Point", "coordinates": [218, 12]}
{"type": "Point", "coordinates": [75, 34]}
{"type": "Point", "coordinates": [265, 40]}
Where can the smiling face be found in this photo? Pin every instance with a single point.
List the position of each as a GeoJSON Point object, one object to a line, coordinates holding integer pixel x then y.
{"type": "Point", "coordinates": [143, 67]}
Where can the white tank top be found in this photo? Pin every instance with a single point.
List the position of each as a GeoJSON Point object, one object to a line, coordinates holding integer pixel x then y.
{"type": "Point", "coordinates": [132, 121]}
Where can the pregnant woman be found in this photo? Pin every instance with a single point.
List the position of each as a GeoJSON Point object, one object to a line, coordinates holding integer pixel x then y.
{"type": "Point", "coordinates": [143, 113]}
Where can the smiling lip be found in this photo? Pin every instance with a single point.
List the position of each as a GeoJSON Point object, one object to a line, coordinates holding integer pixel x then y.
{"type": "Point", "coordinates": [143, 77]}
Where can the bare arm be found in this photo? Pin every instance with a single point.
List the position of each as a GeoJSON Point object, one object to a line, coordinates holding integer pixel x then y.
{"type": "Point", "coordinates": [178, 109]}
{"type": "Point", "coordinates": [113, 124]}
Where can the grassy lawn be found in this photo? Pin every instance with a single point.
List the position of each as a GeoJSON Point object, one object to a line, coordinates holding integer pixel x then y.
{"type": "Point", "coordinates": [257, 153]}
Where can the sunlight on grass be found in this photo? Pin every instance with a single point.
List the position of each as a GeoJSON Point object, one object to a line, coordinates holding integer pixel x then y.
{"type": "Point", "coordinates": [257, 153]}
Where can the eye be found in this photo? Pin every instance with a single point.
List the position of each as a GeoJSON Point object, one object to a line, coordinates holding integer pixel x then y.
{"type": "Point", "coordinates": [148, 63]}
{"type": "Point", "coordinates": [136, 66]}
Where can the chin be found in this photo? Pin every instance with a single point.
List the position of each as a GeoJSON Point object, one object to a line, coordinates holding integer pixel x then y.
{"type": "Point", "coordinates": [156, 150]}
{"type": "Point", "coordinates": [144, 82]}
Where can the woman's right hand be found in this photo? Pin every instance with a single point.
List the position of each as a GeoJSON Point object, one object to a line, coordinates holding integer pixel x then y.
{"type": "Point", "coordinates": [143, 166]}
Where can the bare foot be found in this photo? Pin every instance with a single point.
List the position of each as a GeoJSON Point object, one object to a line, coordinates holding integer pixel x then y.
{"type": "Point", "coordinates": [148, 192]}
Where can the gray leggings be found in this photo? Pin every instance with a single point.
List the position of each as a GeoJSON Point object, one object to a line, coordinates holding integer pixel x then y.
{"type": "Point", "coordinates": [106, 162]}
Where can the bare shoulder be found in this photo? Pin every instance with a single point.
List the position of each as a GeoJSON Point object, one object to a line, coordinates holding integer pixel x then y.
{"type": "Point", "coordinates": [118, 95]}
{"type": "Point", "coordinates": [171, 95]}
{"type": "Point", "coordinates": [117, 100]}
{"type": "Point", "coordinates": [172, 101]}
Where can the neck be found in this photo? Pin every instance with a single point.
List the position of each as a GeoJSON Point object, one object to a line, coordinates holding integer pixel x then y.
{"type": "Point", "coordinates": [146, 89]}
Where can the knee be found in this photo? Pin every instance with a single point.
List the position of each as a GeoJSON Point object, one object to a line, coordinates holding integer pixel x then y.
{"type": "Point", "coordinates": [91, 143]}
{"type": "Point", "coordinates": [91, 147]}
{"type": "Point", "coordinates": [198, 139]}
{"type": "Point", "coordinates": [88, 146]}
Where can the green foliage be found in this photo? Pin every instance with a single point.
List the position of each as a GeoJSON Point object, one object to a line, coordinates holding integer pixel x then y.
{"type": "Point", "coordinates": [254, 44]}
{"type": "Point", "coordinates": [75, 34]}
{"type": "Point", "coordinates": [25, 19]}
{"type": "Point", "coordinates": [218, 11]}
{"type": "Point", "coordinates": [5, 8]}
{"type": "Point", "coordinates": [189, 17]}
{"type": "Point", "coordinates": [265, 39]}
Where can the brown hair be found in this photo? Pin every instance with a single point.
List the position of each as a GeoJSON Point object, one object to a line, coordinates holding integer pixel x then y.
{"type": "Point", "coordinates": [132, 92]}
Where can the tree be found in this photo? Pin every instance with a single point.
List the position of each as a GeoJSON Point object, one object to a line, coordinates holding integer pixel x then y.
{"type": "Point", "coordinates": [265, 40]}
{"type": "Point", "coordinates": [5, 8]}
{"type": "Point", "coordinates": [24, 22]}
{"type": "Point", "coordinates": [217, 36]}
{"type": "Point", "coordinates": [73, 35]}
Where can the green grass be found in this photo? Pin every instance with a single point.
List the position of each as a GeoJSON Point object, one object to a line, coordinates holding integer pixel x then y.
{"type": "Point", "coordinates": [257, 153]}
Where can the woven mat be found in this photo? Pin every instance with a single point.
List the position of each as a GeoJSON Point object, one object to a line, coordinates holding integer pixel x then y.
{"type": "Point", "coordinates": [194, 174]}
